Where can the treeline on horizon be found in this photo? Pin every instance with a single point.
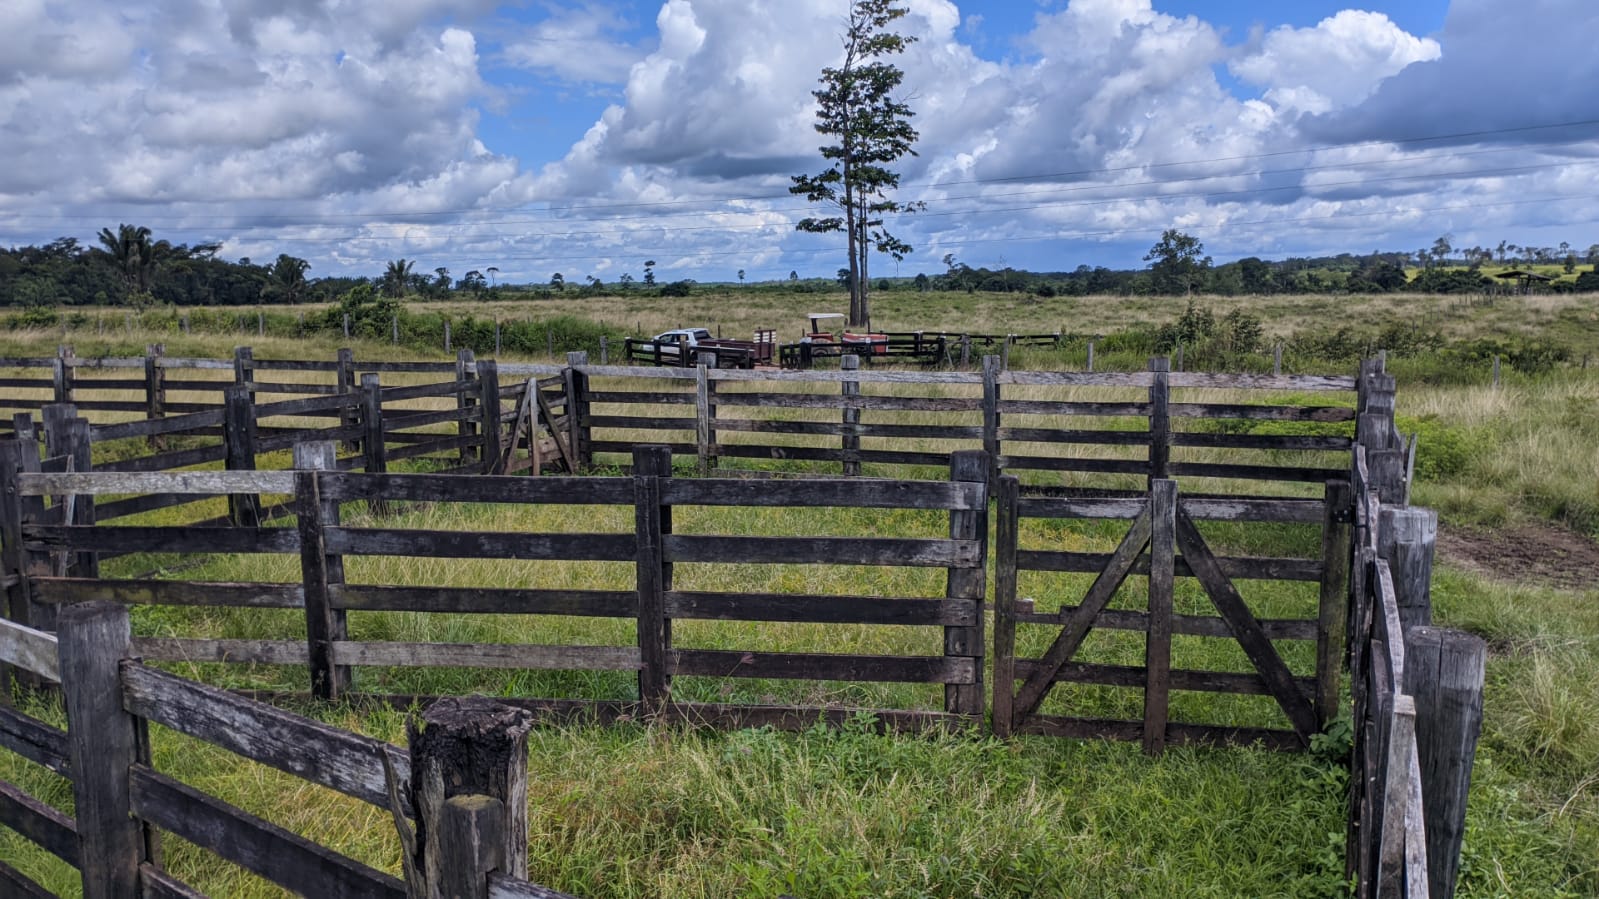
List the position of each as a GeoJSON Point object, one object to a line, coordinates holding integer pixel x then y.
{"type": "Point", "coordinates": [128, 268]}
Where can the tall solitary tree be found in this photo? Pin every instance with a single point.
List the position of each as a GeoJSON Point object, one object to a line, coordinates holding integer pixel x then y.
{"type": "Point", "coordinates": [1176, 262]}
{"type": "Point", "coordinates": [871, 129]}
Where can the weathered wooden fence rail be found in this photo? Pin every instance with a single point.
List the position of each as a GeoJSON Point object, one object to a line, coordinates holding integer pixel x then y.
{"type": "Point", "coordinates": [467, 776]}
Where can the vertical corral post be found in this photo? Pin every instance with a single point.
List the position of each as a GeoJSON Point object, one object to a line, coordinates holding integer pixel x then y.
{"type": "Point", "coordinates": [75, 436]}
{"type": "Point", "coordinates": [1336, 529]}
{"type": "Point", "coordinates": [18, 457]}
{"type": "Point", "coordinates": [1090, 356]}
{"type": "Point", "coordinates": [488, 381]}
{"type": "Point", "coordinates": [1159, 419]}
{"type": "Point", "coordinates": [1157, 638]}
{"type": "Point", "coordinates": [244, 366]}
{"type": "Point", "coordinates": [319, 570]}
{"type": "Point", "coordinates": [469, 789]}
{"type": "Point", "coordinates": [238, 434]}
{"type": "Point", "coordinates": [465, 400]}
{"type": "Point", "coordinates": [577, 409]}
{"type": "Point", "coordinates": [446, 335]}
{"type": "Point", "coordinates": [374, 448]}
{"type": "Point", "coordinates": [969, 583]}
{"type": "Point", "coordinates": [1406, 537]}
{"type": "Point", "coordinates": [63, 374]}
{"type": "Point", "coordinates": [1444, 671]}
{"type": "Point", "coordinates": [652, 465]}
{"type": "Point", "coordinates": [704, 415]}
{"type": "Point", "coordinates": [850, 442]}
{"type": "Point", "coordinates": [155, 390]}
{"type": "Point", "coordinates": [1006, 539]}
{"type": "Point", "coordinates": [605, 350]}
{"type": "Point", "coordinates": [991, 442]}
{"type": "Point", "coordinates": [104, 741]}
{"type": "Point", "coordinates": [350, 414]}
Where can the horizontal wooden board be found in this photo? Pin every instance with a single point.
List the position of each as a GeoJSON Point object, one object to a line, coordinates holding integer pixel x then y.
{"type": "Point", "coordinates": [480, 545]}
{"type": "Point", "coordinates": [811, 666]}
{"type": "Point", "coordinates": [1307, 511]}
{"type": "Point", "coordinates": [1236, 568]}
{"type": "Point", "coordinates": [478, 489]}
{"type": "Point", "coordinates": [637, 397]}
{"type": "Point", "coordinates": [823, 551]}
{"type": "Point", "coordinates": [210, 483]}
{"type": "Point", "coordinates": [241, 652]}
{"type": "Point", "coordinates": [29, 649]}
{"type": "Point", "coordinates": [347, 762]}
{"type": "Point", "coordinates": [1053, 435]}
{"type": "Point", "coordinates": [1256, 472]}
{"type": "Point", "coordinates": [865, 402]}
{"type": "Point", "coordinates": [499, 601]}
{"type": "Point", "coordinates": [131, 539]}
{"type": "Point", "coordinates": [1066, 463]}
{"type": "Point", "coordinates": [157, 884]}
{"type": "Point", "coordinates": [34, 740]}
{"type": "Point", "coordinates": [643, 423]}
{"type": "Point", "coordinates": [400, 419]}
{"type": "Point", "coordinates": [258, 846]}
{"type": "Point", "coordinates": [1249, 684]}
{"type": "Point", "coordinates": [825, 609]}
{"type": "Point", "coordinates": [852, 493]}
{"type": "Point", "coordinates": [1178, 734]}
{"type": "Point", "coordinates": [1262, 413]}
{"type": "Point", "coordinates": [39, 823]}
{"type": "Point", "coordinates": [445, 388]}
{"type": "Point", "coordinates": [136, 505]}
{"type": "Point", "coordinates": [1263, 442]}
{"type": "Point", "coordinates": [1260, 382]}
{"type": "Point", "coordinates": [488, 655]}
{"type": "Point", "coordinates": [152, 426]}
{"type": "Point", "coordinates": [16, 885]}
{"type": "Point", "coordinates": [1187, 625]}
{"type": "Point", "coordinates": [171, 593]}
{"type": "Point", "coordinates": [1076, 378]}
{"type": "Point", "coordinates": [503, 887]}
{"type": "Point", "coordinates": [164, 462]}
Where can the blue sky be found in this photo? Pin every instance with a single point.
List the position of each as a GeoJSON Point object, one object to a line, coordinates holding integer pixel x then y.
{"type": "Point", "coordinates": [547, 135]}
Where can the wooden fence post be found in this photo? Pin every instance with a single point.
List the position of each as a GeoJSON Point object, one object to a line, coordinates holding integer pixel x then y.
{"type": "Point", "coordinates": [1159, 419]}
{"type": "Point", "coordinates": [1090, 356]}
{"type": "Point", "coordinates": [244, 366]}
{"type": "Point", "coordinates": [68, 435]}
{"type": "Point", "coordinates": [1006, 537]}
{"type": "Point", "coordinates": [394, 330]}
{"type": "Point", "coordinates": [1336, 530]}
{"type": "Point", "coordinates": [496, 335]}
{"type": "Point", "coordinates": [704, 417]}
{"type": "Point", "coordinates": [446, 335]}
{"type": "Point", "coordinates": [991, 441]}
{"type": "Point", "coordinates": [652, 465]}
{"type": "Point", "coordinates": [155, 390]}
{"type": "Point", "coordinates": [374, 448]}
{"type": "Point", "coordinates": [320, 571]}
{"type": "Point", "coordinates": [344, 374]}
{"type": "Point", "coordinates": [465, 400]}
{"type": "Point", "coordinates": [1277, 359]}
{"type": "Point", "coordinates": [1444, 671]}
{"type": "Point", "coordinates": [966, 350]}
{"type": "Point", "coordinates": [966, 641]}
{"type": "Point", "coordinates": [488, 381]}
{"type": "Point", "coordinates": [469, 789]}
{"type": "Point", "coordinates": [604, 350]}
{"type": "Point", "coordinates": [1405, 538]}
{"type": "Point", "coordinates": [238, 432]}
{"type": "Point", "coordinates": [346, 326]}
{"type": "Point", "coordinates": [18, 457]}
{"type": "Point", "coordinates": [577, 409]}
{"type": "Point", "coordinates": [851, 417]}
{"type": "Point", "coordinates": [104, 742]}
{"type": "Point", "coordinates": [63, 373]}
{"type": "Point", "coordinates": [1157, 639]}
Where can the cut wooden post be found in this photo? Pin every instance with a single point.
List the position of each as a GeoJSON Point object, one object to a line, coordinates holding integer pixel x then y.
{"type": "Point", "coordinates": [324, 624]}
{"type": "Point", "coordinates": [238, 433]}
{"type": "Point", "coordinates": [704, 415]}
{"type": "Point", "coordinates": [346, 326]}
{"type": "Point", "coordinates": [63, 374]}
{"type": "Point", "coordinates": [260, 323]}
{"type": "Point", "coordinates": [496, 336]}
{"type": "Point", "coordinates": [1179, 365]}
{"type": "Point", "coordinates": [604, 350]}
{"type": "Point", "coordinates": [394, 330]}
{"type": "Point", "coordinates": [68, 435]}
{"type": "Point", "coordinates": [104, 743]}
{"type": "Point", "coordinates": [488, 379]}
{"type": "Point", "coordinates": [968, 583]}
{"type": "Point", "coordinates": [1004, 352]}
{"type": "Point", "coordinates": [577, 410]}
{"type": "Point", "coordinates": [652, 522]}
{"type": "Point", "coordinates": [1006, 539]}
{"type": "Point", "coordinates": [1277, 359]}
{"type": "Point", "coordinates": [1157, 639]}
{"type": "Point", "coordinates": [966, 351]}
{"type": "Point", "coordinates": [473, 749]}
{"type": "Point", "coordinates": [345, 376]}
{"type": "Point", "coordinates": [374, 447]}
{"type": "Point", "coordinates": [465, 401]}
{"type": "Point", "coordinates": [1406, 537]}
{"type": "Point", "coordinates": [851, 416]}
{"type": "Point", "coordinates": [1444, 671]}
{"type": "Point", "coordinates": [991, 442]}
{"type": "Point", "coordinates": [549, 340]}
{"type": "Point", "coordinates": [1394, 794]}
{"type": "Point", "coordinates": [18, 457]}
{"type": "Point", "coordinates": [155, 391]}
{"type": "Point", "coordinates": [1090, 355]}
{"type": "Point", "coordinates": [1159, 419]}
{"type": "Point", "coordinates": [244, 366]}
{"type": "Point", "coordinates": [446, 335]}
{"type": "Point", "coordinates": [1334, 598]}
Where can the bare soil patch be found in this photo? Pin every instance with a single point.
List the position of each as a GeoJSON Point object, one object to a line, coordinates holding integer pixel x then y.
{"type": "Point", "coordinates": [1533, 552]}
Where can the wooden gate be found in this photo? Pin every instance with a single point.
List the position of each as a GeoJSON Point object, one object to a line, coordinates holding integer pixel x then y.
{"type": "Point", "coordinates": [1162, 543]}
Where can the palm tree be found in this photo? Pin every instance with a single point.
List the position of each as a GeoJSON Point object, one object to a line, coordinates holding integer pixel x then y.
{"type": "Point", "coordinates": [396, 276]}
{"type": "Point", "coordinates": [130, 250]}
{"type": "Point", "coordinates": [288, 277]}
{"type": "Point", "coordinates": [492, 272]}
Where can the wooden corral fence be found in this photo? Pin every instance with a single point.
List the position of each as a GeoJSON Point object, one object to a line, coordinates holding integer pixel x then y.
{"type": "Point", "coordinates": [462, 784]}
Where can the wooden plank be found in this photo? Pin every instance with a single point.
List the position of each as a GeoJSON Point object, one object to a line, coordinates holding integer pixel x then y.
{"type": "Point", "coordinates": [34, 740]}
{"type": "Point", "coordinates": [1006, 531]}
{"type": "Point", "coordinates": [1262, 382]}
{"type": "Point", "coordinates": [503, 887]}
{"type": "Point", "coordinates": [1394, 797]}
{"type": "Point", "coordinates": [1262, 413]}
{"type": "Point", "coordinates": [1076, 379]}
{"type": "Point", "coordinates": [1176, 734]}
{"type": "Point", "coordinates": [157, 884]}
{"type": "Point", "coordinates": [39, 823]}
{"type": "Point", "coordinates": [1235, 568]}
{"type": "Point", "coordinates": [1062, 463]}
{"type": "Point", "coordinates": [488, 655]}
{"type": "Point", "coordinates": [258, 846]}
{"type": "Point", "coordinates": [1187, 680]}
{"type": "Point", "coordinates": [334, 758]}
{"type": "Point", "coordinates": [1332, 599]}
{"type": "Point", "coordinates": [879, 403]}
{"type": "Point", "coordinates": [1063, 436]}
{"type": "Point", "coordinates": [824, 551]}
{"type": "Point", "coordinates": [1099, 595]}
{"type": "Point", "coordinates": [814, 492]}
{"type": "Point", "coordinates": [652, 524]}
{"type": "Point", "coordinates": [1264, 442]}
{"type": "Point", "coordinates": [171, 593]}
{"type": "Point", "coordinates": [1157, 638]}
{"type": "Point", "coordinates": [498, 601]}
{"type": "Point", "coordinates": [164, 540]}
{"type": "Point", "coordinates": [968, 582]}
{"type": "Point", "coordinates": [164, 462]}
{"type": "Point", "coordinates": [138, 505]}
{"type": "Point", "coordinates": [643, 398]}
{"type": "Point", "coordinates": [1254, 472]}
{"type": "Point", "coordinates": [29, 649]}
{"type": "Point", "coordinates": [209, 483]}
{"type": "Point", "coordinates": [242, 652]}
{"type": "Point", "coordinates": [1187, 625]}
{"type": "Point", "coordinates": [1256, 645]}
{"type": "Point", "coordinates": [1286, 511]}
{"type": "Point", "coordinates": [811, 666]}
{"type": "Point", "coordinates": [826, 609]}
{"type": "Point", "coordinates": [21, 886]}
{"type": "Point", "coordinates": [479, 545]}
{"type": "Point", "coordinates": [484, 489]}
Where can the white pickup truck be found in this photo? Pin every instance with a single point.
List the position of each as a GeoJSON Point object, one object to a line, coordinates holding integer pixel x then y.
{"type": "Point", "coordinates": [682, 346]}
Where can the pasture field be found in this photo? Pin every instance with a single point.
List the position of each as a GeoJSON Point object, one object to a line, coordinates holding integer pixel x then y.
{"type": "Point", "coordinates": [642, 811]}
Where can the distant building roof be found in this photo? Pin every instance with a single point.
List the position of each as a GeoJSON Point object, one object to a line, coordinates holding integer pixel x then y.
{"type": "Point", "coordinates": [1523, 275]}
